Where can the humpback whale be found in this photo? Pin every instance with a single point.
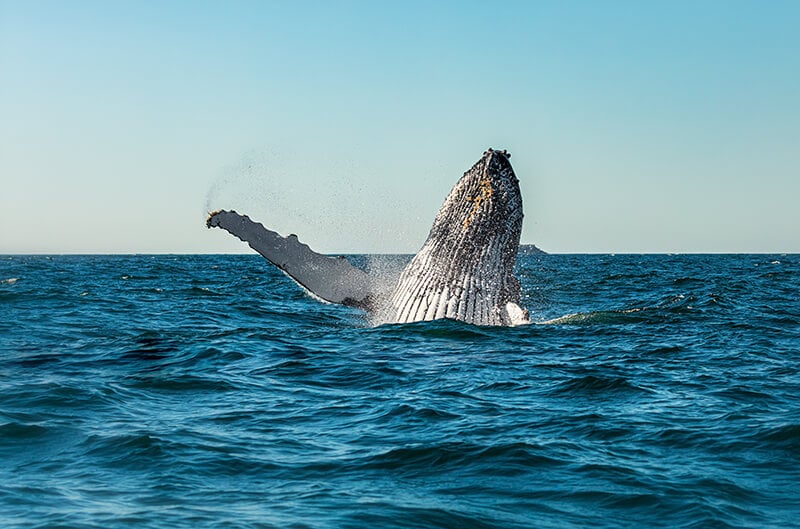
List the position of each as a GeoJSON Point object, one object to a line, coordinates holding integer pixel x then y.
{"type": "Point", "coordinates": [464, 270]}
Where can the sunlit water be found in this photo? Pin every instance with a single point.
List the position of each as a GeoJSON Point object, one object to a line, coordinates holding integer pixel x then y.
{"type": "Point", "coordinates": [210, 391]}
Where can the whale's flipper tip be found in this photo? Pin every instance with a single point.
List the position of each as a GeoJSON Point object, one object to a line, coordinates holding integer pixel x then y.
{"type": "Point", "coordinates": [212, 220]}
{"type": "Point", "coordinates": [216, 219]}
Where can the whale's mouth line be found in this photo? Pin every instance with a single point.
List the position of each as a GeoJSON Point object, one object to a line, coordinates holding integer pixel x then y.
{"type": "Point", "coordinates": [464, 270]}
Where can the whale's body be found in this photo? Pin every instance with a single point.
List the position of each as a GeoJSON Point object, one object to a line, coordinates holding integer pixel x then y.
{"type": "Point", "coordinates": [464, 271]}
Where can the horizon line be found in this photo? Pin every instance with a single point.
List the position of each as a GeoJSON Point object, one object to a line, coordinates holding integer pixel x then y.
{"type": "Point", "coordinates": [611, 253]}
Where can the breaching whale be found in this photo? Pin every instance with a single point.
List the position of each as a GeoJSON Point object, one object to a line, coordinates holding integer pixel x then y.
{"type": "Point", "coordinates": [464, 271]}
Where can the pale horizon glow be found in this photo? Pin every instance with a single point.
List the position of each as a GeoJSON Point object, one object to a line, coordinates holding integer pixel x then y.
{"type": "Point", "coordinates": [634, 127]}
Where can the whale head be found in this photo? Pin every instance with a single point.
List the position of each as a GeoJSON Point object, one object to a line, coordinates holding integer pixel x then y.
{"type": "Point", "coordinates": [465, 268]}
{"type": "Point", "coordinates": [483, 208]}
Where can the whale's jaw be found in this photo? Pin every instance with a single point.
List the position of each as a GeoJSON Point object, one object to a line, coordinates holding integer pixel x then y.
{"type": "Point", "coordinates": [465, 269]}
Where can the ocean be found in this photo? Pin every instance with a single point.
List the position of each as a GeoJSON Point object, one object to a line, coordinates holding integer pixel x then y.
{"type": "Point", "coordinates": [209, 391]}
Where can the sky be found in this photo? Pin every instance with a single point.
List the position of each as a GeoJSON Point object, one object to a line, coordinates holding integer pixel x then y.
{"type": "Point", "coordinates": [633, 126]}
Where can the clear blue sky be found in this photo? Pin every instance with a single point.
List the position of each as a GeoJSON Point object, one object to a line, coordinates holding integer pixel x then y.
{"type": "Point", "coordinates": [634, 126]}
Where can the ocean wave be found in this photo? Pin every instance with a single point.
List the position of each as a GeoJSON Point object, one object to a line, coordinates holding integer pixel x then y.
{"type": "Point", "coordinates": [599, 383]}
{"type": "Point", "coordinates": [665, 398]}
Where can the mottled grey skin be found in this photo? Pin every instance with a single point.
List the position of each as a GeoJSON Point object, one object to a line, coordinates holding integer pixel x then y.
{"type": "Point", "coordinates": [464, 271]}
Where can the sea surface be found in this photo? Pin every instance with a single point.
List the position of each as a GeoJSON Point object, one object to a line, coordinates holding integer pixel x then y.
{"type": "Point", "coordinates": [212, 392]}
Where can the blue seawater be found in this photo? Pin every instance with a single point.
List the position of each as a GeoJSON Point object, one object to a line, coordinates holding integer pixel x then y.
{"type": "Point", "coordinates": [212, 392]}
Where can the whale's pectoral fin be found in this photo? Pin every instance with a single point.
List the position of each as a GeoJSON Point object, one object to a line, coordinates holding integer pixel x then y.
{"type": "Point", "coordinates": [332, 279]}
